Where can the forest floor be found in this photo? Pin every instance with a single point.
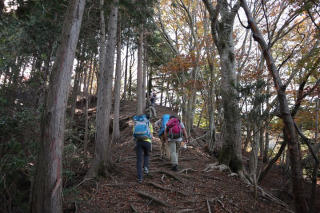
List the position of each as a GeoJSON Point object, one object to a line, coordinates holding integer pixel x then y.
{"type": "Point", "coordinates": [192, 188]}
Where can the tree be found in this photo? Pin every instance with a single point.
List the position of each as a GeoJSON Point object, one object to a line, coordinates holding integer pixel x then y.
{"type": "Point", "coordinates": [289, 131]}
{"type": "Point", "coordinates": [140, 94]}
{"type": "Point", "coordinates": [116, 110]}
{"type": "Point", "coordinates": [46, 194]}
{"type": "Point", "coordinates": [102, 158]}
{"type": "Point", "coordinates": [222, 32]}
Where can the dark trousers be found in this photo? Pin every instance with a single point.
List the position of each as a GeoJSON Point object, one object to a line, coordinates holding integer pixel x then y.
{"type": "Point", "coordinates": [142, 148]}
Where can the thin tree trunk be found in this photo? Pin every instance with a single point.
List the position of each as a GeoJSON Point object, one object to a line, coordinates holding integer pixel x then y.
{"type": "Point", "coordinates": [211, 92]}
{"type": "Point", "coordinates": [102, 159]}
{"type": "Point", "coordinates": [92, 75]}
{"type": "Point", "coordinates": [162, 88]}
{"type": "Point", "coordinates": [253, 160]}
{"type": "Point", "coordinates": [47, 187]}
{"type": "Point", "coordinates": [130, 76]}
{"type": "Point", "coordinates": [116, 111]}
{"type": "Point", "coordinates": [200, 117]}
{"type": "Point", "coordinates": [126, 72]}
{"type": "Point", "coordinates": [150, 86]}
{"type": "Point", "coordinates": [266, 146]}
{"type": "Point", "coordinates": [87, 98]}
{"type": "Point", "coordinates": [297, 179]}
{"type": "Point", "coordinates": [75, 90]}
{"type": "Point", "coordinates": [144, 76]}
{"type": "Point", "coordinates": [140, 95]}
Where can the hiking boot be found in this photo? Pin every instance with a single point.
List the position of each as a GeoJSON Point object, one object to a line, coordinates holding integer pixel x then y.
{"type": "Point", "coordinates": [146, 170]}
{"type": "Point", "coordinates": [174, 168]}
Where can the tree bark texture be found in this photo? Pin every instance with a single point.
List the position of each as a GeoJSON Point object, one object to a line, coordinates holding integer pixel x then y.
{"type": "Point", "coordinates": [47, 187]}
{"type": "Point", "coordinates": [297, 178]}
{"type": "Point", "coordinates": [102, 158]}
{"type": "Point", "coordinates": [144, 76]}
{"type": "Point", "coordinates": [116, 110]}
{"type": "Point", "coordinates": [126, 72]}
{"type": "Point", "coordinates": [222, 34]}
{"type": "Point", "coordinates": [140, 95]}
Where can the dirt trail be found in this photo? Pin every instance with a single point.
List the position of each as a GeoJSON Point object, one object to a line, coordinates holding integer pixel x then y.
{"type": "Point", "coordinates": [191, 189]}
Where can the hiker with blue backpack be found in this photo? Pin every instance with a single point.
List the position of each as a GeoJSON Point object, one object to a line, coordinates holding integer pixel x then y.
{"type": "Point", "coordinates": [142, 133]}
{"type": "Point", "coordinates": [161, 124]}
{"type": "Point", "coordinates": [173, 134]}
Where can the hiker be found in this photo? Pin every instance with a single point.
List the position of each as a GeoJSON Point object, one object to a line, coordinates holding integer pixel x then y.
{"type": "Point", "coordinates": [173, 133]}
{"type": "Point", "coordinates": [161, 125]}
{"type": "Point", "coordinates": [142, 133]}
{"type": "Point", "coordinates": [153, 99]}
{"type": "Point", "coordinates": [150, 110]}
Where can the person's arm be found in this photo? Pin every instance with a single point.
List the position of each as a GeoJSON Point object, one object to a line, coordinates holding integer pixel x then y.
{"type": "Point", "coordinates": [158, 123]}
{"type": "Point", "coordinates": [151, 128]}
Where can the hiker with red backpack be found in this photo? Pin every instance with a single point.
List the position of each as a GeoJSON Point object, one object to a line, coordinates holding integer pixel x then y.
{"type": "Point", "coordinates": [173, 134]}
{"type": "Point", "coordinates": [142, 133]}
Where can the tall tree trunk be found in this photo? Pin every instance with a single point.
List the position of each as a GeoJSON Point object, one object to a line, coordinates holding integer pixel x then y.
{"type": "Point", "coordinates": [211, 92]}
{"type": "Point", "coordinates": [200, 117]}
{"type": "Point", "coordinates": [130, 76]}
{"type": "Point", "coordinates": [94, 71]}
{"type": "Point", "coordinates": [266, 144]}
{"type": "Point", "coordinates": [150, 86]}
{"type": "Point", "coordinates": [140, 95]}
{"type": "Point", "coordinates": [47, 187]}
{"type": "Point", "coordinates": [87, 81]}
{"type": "Point", "coordinates": [126, 72]}
{"type": "Point", "coordinates": [144, 76]}
{"type": "Point", "coordinates": [116, 110]}
{"type": "Point", "coordinates": [162, 89]}
{"type": "Point", "coordinates": [253, 160]}
{"type": "Point", "coordinates": [102, 158]}
{"type": "Point", "coordinates": [75, 90]}
{"type": "Point", "coordinates": [222, 34]}
{"type": "Point", "coordinates": [297, 178]}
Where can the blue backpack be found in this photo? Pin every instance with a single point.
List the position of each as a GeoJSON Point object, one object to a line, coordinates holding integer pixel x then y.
{"type": "Point", "coordinates": [141, 129]}
{"type": "Point", "coordinates": [165, 119]}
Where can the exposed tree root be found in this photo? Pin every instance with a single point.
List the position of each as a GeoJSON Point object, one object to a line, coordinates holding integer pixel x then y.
{"type": "Point", "coordinates": [186, 170]}
{"type": "Point", "coordinates": [133, 208]}
{"type": "Point", "coordinates": [157, 200]}
{"type": "Point", "coordinates": [208, 205]}
{"type": "Point", "coordinates": [165, 189]}
{"type": "Point", "coordinates": [272, 198]}
{"type": "Point", "coordinates": [185, 210]}
{"type": "Point", "coordinates": [216, 166]}
{"type": "Point", "coordinates": [169, 174]}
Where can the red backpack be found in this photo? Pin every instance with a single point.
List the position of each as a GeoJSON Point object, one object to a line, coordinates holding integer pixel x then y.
{"type": "Point", "coordinates": [174, 128]}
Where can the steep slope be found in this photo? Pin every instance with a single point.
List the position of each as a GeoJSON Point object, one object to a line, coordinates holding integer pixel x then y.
{"type": "Point", "coordinates": [194, 188]}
